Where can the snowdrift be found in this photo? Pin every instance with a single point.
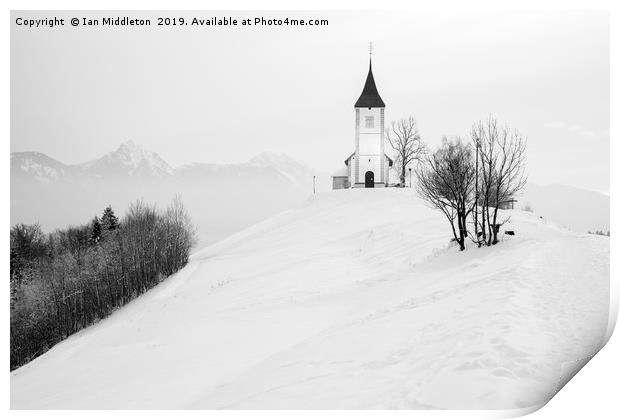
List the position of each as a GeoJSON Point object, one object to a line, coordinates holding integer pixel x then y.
{"type": "Point", "coordinates": [356, 300]}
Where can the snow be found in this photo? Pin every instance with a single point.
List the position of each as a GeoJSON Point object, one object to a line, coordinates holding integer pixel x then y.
{"type": "Point", "coordinates": [132, 158]}
{"type": "Point", "coordinates": [574, 208]}
{"type": "Point", "coordinates": [42, 167]}
{"type": "Point", "coordinates": [355, 300]}
{"type": "Point", "coordinates": [135, 156]}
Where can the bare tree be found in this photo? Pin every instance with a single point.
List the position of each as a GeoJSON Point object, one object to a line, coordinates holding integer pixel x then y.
{"type": "Point", "coordinates": [500, 174]}
{"type": "Point", "coordinates": [179, 234]}
{"type": "Point", "coordinates": [65, 281]}
{"type": "Point", "coordinates": [405, 139]}
{"type": "Point", "coordinates": [446, 181]}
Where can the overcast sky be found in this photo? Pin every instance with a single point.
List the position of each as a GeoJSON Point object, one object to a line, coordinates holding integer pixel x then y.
{"type": "Point", "coordinates": [204, 94]}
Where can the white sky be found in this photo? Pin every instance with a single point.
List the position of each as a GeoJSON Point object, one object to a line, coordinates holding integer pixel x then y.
{"type": "Point", "coordinates": [204, 94]}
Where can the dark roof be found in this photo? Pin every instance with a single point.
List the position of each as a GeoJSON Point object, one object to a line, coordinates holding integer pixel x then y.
{"type": "Point", "coordinates": [370, 97]}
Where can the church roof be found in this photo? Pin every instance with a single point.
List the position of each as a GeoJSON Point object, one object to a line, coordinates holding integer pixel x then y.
{"type": "Point", "coordinates": [370, 96]}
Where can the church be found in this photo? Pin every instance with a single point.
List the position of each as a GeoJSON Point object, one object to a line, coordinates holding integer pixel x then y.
{"type": "Point", "coordinates": [368, 166]}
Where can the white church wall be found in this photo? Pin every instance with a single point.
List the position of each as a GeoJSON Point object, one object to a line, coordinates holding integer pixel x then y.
{"type": "Point", "coordinates": [369, 137]}
{"type": "Point", "coordinates": [370, 163]}
{"type": "Point", "coordinates": [373, 113]}
{"type": "Point", "coordinates": [370, 144]}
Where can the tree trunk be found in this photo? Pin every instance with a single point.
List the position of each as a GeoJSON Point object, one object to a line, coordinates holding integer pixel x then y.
{"type": "Point", "coordinates": [461, 238]}
{"type": "Point", "coordinates": [476, 200]}
{"type": "Point", "coordinates": [495, 229]}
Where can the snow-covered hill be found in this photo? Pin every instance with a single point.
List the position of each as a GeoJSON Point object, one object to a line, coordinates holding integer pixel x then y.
{"type": "Point", "coordinates": [575, 208]}
{"type": "Point", "coordinates": [354, 300]}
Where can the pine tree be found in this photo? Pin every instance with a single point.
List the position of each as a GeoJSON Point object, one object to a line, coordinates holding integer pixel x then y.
{"type": "Point", "coordinates": [95, 233]}
{"type": "Point", "coordinates": [109, 221]}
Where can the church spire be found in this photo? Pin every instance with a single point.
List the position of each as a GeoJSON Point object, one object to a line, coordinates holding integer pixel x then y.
{"type": "Point", "coordinates": [370, 96]}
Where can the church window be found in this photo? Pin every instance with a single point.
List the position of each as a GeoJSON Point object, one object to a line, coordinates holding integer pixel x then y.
{"type": "Point", "coordinates": [370, 122]}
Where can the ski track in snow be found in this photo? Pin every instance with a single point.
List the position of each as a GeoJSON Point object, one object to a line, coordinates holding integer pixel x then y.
{"type": "Point", "coordinates": [353, 301]}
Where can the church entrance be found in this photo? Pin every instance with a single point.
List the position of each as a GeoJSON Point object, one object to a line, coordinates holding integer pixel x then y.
{"type": "Point", "coordinates": [370, 179]}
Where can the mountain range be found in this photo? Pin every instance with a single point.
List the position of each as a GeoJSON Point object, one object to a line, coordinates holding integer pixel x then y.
{"type": "Point", "coordinates": [221, 198]}
{"type": "Point", "coordinates": [133, 160]}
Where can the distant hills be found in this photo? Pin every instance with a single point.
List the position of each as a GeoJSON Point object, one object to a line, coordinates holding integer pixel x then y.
{"type": "Point", "coordinates": [575, 208]}
{"type": "Point", "coordinates": [129, 159]}
{"type": "Point", "coordinates": [221, 198]}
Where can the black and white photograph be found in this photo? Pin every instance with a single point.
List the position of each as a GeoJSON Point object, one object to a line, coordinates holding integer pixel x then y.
{"type": "Point", "coordinates": [307, 210]}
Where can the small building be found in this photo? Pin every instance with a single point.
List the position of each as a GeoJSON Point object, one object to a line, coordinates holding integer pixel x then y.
{"type": "Point", "coordinates": [340, 179]}
{"type": "Point", "coordinates": [368, 166]}
{"type": "Point", "coordinates": [508, 204]}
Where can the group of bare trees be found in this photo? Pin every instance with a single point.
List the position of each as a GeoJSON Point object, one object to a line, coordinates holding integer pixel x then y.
{"type": "Point", "coordinates": [65, 281]}
{"type": "Point", "coordinates": [500, 169]}
{"type": "Point", "coordinates": [461, 178]}
{"type": "Point", "coordinates": [404, 138]}
{"type": "Point", "coordinates": [446, 180]}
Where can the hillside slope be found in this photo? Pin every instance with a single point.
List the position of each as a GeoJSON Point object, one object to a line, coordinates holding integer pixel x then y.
{"type": "Point", "coordinates": [355, 300]}
{"type": "Point", "coordinates": [574, 208]}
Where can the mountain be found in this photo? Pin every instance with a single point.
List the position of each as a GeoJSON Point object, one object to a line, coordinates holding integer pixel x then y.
{"type": "Point", "coordinates": [129, 159]}
{"type": "Point", "coordinates": [330, 307]}
{"type": "Point", "coordinates": [220, 198]}
{"type": "Point", "coordinates": [288, 167]}
{"type": "Point", "coordinates": [38, 166]}
{"type": "Point", "coordinates": [133, 160]}
{"type": "Point", "coordinates": [575, 208]}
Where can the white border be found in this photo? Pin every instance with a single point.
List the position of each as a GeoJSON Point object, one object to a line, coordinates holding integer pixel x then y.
{"type": "Point", "coordinates": [593, 391]}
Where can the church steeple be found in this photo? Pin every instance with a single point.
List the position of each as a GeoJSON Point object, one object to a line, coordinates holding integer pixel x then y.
{"type": "Point", "coordinates": [370, 96]}
{"type": "Point", "coordinates": [368, 166]}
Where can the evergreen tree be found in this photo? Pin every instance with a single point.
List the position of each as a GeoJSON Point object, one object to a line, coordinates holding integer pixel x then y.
{"type": "Point", "coordinates": [109, 221]}
{"type": "Point", "coordinates": [95, 233]}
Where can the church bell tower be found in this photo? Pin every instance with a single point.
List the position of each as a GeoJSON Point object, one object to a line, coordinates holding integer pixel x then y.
{"type": "Point", "coordinates": [369, 164]}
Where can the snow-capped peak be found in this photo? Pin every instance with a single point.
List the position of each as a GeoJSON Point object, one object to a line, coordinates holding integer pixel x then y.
{"type": "Point", "coordinates": [133, 159]}
{"type": "Point", "coordinates": [39, 165]}
{"type": "Point", "coordinates": [134, 155]}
